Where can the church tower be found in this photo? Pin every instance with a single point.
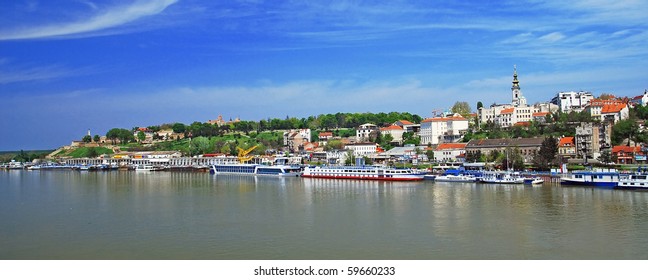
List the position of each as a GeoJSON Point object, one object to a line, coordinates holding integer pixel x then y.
{"type": "Point", "coordinates": [517, 99]}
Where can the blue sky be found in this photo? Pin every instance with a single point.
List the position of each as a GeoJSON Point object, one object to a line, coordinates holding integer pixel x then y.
{"type": "Point", "coordinates": [69, 66]}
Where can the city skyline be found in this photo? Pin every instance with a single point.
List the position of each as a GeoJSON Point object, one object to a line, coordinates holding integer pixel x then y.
{"type": "Point", "coordinates": [69, 67]}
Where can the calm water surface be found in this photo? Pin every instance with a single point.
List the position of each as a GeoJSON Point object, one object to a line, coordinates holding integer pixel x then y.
{"type": "Point", "coordinates": [166, 215]}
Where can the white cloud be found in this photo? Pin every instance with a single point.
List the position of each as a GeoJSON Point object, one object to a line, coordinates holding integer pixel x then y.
{"type": "Point", "coordinates": [109, 18]}
{"type": "Point", "coordinates": [552, 37]}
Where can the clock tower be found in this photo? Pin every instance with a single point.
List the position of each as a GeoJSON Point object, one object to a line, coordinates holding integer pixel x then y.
{"type": "Point", "coordinates": [517, 99]}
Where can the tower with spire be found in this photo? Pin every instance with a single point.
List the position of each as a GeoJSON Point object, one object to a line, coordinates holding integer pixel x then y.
{"type": "Point", "coordinates": [517, 99]}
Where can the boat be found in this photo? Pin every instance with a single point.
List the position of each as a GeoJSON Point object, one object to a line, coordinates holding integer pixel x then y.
{"type": "Point", "coordinates": [256, 169]}
{"type": "Point", "coordinates": [607, 178]}
{"type": "Point", "coordinates": [15, 165]}
{"type": "Point", "coordinates": [429, 177]}
{"type": "Point", "coordinates": [533, 180]}
{"type": "Point", "coordinates": [502, 178]}
{"type": "Point", "coordinates": [363, 173]}
{"type": "Point", "coordinates": [454, 175]}
{"type": "Point", "coordinates": [638, 180]}
{"type": "Point", "coordinates": [148, 168]}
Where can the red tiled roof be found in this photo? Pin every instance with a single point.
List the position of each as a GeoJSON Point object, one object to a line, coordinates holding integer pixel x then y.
{"type": "Point", "coordinates": [323, 134]}
{"type": "Point", "coordinates": [405, 122]}
{"type": "Point", "coordinates": [612, 108]}
{"type": "Point", "coordinates": [450, 146]}
{"type": "Point", "coordinates": [444, 119]}
{"type": "Point", "coordinates": [391, 127]}
{"type": "Point", "coordinates": [508, 111]}
{"type": "Point", "coordinates": [626, 149]}
{"type": "Point", "coordinates": [522, 124]}
{"type": "Point", "coordinates": [540, 114]}
{"type": "Point", "coordinates": [566, 142]}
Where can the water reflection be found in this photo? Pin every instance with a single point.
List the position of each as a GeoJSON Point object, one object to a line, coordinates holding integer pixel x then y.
{"type": "Point", "coordinates": [169, 215]}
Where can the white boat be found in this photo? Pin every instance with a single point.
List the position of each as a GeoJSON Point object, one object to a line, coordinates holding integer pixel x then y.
{"type": "Point", "coordinates": [148, 168]}
{"type": "Point", "coordinates": [606, 178]}
{"type": "Point", "coordinates": [256, 169]}
{"type": "Point", "coordinates": [638, 180]}
{"type": "Point", "coordinates": [533, 180]}
{"type": "Point", "coordinates": [363, 173]}
{"type": "Point", "coordinates": [15, 165]}
{"type": "Point", "coordinates": [455, 176]}
{"type": "Point", "coordinates": [634, 181]}
{"type": "Point", "coordinates": [502, 178]}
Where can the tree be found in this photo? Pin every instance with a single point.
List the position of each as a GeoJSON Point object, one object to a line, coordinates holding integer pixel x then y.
{"type": "Point", "coordinates": [141, 136]}
{"type": "Point", "coordinates": [624, 129]}
{"type": "Point", "coordinates": [606, 157]}
{"type": "Point", "coordinates": [462, 108]}
{"type": "Point", "coordinates": [87, 139]}
{"type": "Point", "coordinates": [97, 138]}
{"type": "Point", "coordinates": [547, 155]}
{"type": "Point", "coordinates": [178, 128]}
{"type": "Point", "coordinates": [480, 105]}
{"type": "Point", "coordinates": [199, 145]}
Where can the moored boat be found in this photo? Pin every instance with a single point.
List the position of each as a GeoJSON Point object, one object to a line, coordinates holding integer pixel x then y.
{"type": "Point", "coordinates": [256, 169]}
{"type": "Point", "coordinates": [502, 178]}
{"type": "Point", "coordinates": [638, 180]}
{"type": "Point", "coordinates": [148, 168]}
{"type": "Point", "coordinates": [533, 180]}
{"type": "Point", "coordinates": [363, 173]}
{"type": "Point", "coordinates": [606, 178]}
{"type": "Point", "coordinates": [454, 175]}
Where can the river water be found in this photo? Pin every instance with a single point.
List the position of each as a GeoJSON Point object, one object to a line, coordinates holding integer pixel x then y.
{"type": "Point", "coordinates": [169, 215]}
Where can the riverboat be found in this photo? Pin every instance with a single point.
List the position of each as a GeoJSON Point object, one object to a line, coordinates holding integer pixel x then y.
{"type": "Point", "coordinates": [256, 169]}
{"type": "Point", "coordinates": [148, 168]}
{"type": "Point", "coordinates": [454, 175]}
{"type": "Point", "coordinates": [363, 173]}
{"type": "Point", "coordinates": [606, 178]}
{"type": "Point", "coordinates": [638, 180]}
{"type": "Point", "coordinates": [533, 180]}
{"type": "Point", "coordinates": [502, 178]}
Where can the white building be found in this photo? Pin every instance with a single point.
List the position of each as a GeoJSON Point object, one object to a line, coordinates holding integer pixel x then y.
{"type": "Point", "coordinates": [443, 129]}
{"type": "Point", "coordinates": [640, 99]}
{"type": "Point", "coordinates": [572, 101]}
{"type": "Point", "coordinates": [611, 110]}
{"type": "Point", "coordinates": [362, 149]}
{"type": "Point", "coordinates": [450, 152]}
{"type": "Point", "coordinates": [507, 115]}
{"type": "Point", "coordinates": [395, 131]}
{"type": "Point", "coordinates": [364, 131]}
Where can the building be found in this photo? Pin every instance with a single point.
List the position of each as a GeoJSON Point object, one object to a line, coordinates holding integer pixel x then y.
{"type": "Point", "coordinates": [572, 101]}
{"type": "Point", "coordinates": [325, 136]}
{"type": "Point", "coordinates": [567, 148]}
{"type": "Point", "coordinates": [540, 117]}
{"type": "Point", "coordinates": [591, 139]}
{"type": "Point", "coordinates": [296, 139]}
{"type": "Point", "coordinates": [220, 122]}
{"type": "Point", "coordinates": [366, 131]}
{"type": "Point", "coordinates": [640, 99]}
{"type": "Point", "coordinates": [408, 126]}
{"type": "Point", "coordinates": [527, 146]}
{"type": "Point", "coordinates": [395, 131]}
{"type": "Point", "coordinates": [450, 152]}
{"type": "Point", "coordinates": [362, 149]}
{"type": "Point", "coordinates": [608, 110]}
{"type": "Point", "coordinates": [443, 129]}
{"type": "Point", "coordinates": [627, 154]}
{"type": "Point", "coordinates": [507, 115]}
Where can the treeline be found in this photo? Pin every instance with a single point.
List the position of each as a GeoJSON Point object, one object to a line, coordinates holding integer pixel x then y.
{"type": "Point", "coordinates": [320, 122]}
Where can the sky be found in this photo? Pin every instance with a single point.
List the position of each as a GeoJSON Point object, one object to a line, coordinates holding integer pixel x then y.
{"type": "Point", "coordinates": [70, 66]}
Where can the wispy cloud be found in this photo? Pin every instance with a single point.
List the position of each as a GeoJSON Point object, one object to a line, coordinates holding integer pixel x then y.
{"type": "Point", "coordinates": [39, 73]}
{"type": "Point", "coordinates": [104, 19]}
